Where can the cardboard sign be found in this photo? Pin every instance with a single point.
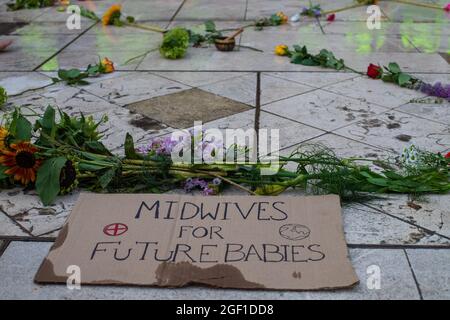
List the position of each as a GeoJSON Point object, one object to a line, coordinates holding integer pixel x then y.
{"type": "Point", "coordinates": [293, 243]}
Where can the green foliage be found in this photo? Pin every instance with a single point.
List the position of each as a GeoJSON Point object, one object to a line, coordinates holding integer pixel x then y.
{"type": "Point", "coordinates": [77, 77]}
{"type": "Point", "coordinates": [80, 132]}
{"type": "Point", "coordinates": [210, 34]}
{"type": "Point", "coordinates": [47, 181]}
{"type": "Point", "coordinates": [20, 129]}
{"type": "Point", "coordinates": [325, 58]}
{"type": "Point", "coordinates": [30, 4]}
{"type": "Point", "coordinates": [175, 43]}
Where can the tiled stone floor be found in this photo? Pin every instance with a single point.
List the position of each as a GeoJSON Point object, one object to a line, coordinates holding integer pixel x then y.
{"type": "Point", "coordinates": [351, 114]}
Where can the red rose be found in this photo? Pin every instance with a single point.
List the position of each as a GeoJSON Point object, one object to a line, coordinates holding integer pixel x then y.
{"type": "Point", "coordinates": [331, 17]}
{"type": "Point", "coordinates": [374, 71]}
{"type": "Point", "coordinates": [447, 156]}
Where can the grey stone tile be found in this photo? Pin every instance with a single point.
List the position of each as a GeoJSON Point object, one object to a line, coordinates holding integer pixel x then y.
{"type": "Point", "coordinates": [21, 260]}
{"type": "Point", "coordinates": [324, 110]}
{"type": "Point", "coordinates": [432, 271]}
{"type": "Point", "coordinates": [315, 79]}
{"type": "Point", "coordinates": [127, 87]}
{"type": "Point", "coordinates": [430, 211]}
{"type": "Point", "coordinates": [197, 79]}
{"type": "Point", "coordinates": [396, 280]}
{"type": "Point", "coordinates": [19, 82]}
{"type": "Point", "coordinates": [24, 60]}
{"type": "Point", "coordinates": [143, 10]}
{"type": "Point", "coordinates": [394, 131]}
{"type": "Point", "coordinates": [243, 88]}
{"type": "Point", "coordinates": [27, 210]}
{"type": "Point", "coordinates": [404, 12]}
{"type": "Point", "coordinates": [350, 42]}
{"type": "Point", "coordinates": [439, 112]}
{"type": "Point", "coordinates": [364, 225]}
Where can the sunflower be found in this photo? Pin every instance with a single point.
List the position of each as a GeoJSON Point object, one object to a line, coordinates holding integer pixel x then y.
{"type": "Point", "coordinates": [21, 161]}
{"type": "Point", "coordinates": [112, 14]}
{"type": "Point", "coordinates": [4, 133]}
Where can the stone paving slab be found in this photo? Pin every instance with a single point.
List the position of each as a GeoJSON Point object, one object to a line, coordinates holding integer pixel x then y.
{"type": "Point", "coordinates": [432, 269]}
{"type": "Point", "coordinates": [16, 83]}
{"type": "Point", "coordinates": [430, 212]}
{"type": "Point", "coordinates": [212, 10]}
{"type": "Point", "coordinates": [21, 260]}
{"type": "Point", "coordinates": [373, 91]}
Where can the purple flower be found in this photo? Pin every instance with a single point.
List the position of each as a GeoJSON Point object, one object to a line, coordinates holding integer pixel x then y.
{"type": "Point", "coordinates": [317, 12]}
{"type": "Point", "coordinates": [159, 146]}
{"type": "Point", "coordinates": [216, 181]}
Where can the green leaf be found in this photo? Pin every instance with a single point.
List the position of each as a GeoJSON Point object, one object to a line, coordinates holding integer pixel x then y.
{"type": "Point", "coordinates": [130, 151]}
{"type": "Point", "coordinates": [47, 181]}
{"type": "Point", "coordinates": [3, 175]}
{"type": "Point", "coordinates": [403, 78]}
{"type": "Point", "coordinates": [210, 26]}
{"type": "Point", "coordinates": [22, 129]}
{"type": "Point", "coordinates": [378, 181]}
{"type": "Point", "coordinates": [106, 178]}
{"type": "Point", "coordinates": [97, 147]}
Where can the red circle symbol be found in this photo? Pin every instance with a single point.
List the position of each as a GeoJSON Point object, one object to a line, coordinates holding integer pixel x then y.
{"type": "Point", "coordinates": [115, 229]}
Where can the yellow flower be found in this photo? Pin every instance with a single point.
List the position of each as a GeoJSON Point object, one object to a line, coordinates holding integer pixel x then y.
{"type": "Point", "coordinates": [64, 2]}
{"type": "Point", "coordinates": [284, 18]}
{"type": "Point", "coordinates": [281, 50]}
{"type": "Point", "coordinates": [108, 65]}
{"type": "Point", "coordinates": [112, 13]}
{"type": "Point", "coordinates": [3, 136]}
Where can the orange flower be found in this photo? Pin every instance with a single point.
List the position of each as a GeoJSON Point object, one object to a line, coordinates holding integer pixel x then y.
{"type": "Point", "coordinates": [21, 161]}
{"type": "Point", "coordinates": [112, 13]}
{"type": "Point", "coordinates": [3, 136]}
{"type": "Point", "coordinates": [108, 65]}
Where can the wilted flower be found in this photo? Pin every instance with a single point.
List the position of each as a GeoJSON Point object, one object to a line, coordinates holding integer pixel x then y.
{"type": "Point", "coordinates": [436, 90]}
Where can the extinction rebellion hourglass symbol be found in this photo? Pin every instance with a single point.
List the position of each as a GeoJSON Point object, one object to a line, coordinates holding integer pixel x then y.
{"type": "Point", "coordinates": [115, 229]}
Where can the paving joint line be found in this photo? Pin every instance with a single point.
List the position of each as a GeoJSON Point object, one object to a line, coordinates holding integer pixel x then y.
{"type": "Point", "coordinates": [413, 274]}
